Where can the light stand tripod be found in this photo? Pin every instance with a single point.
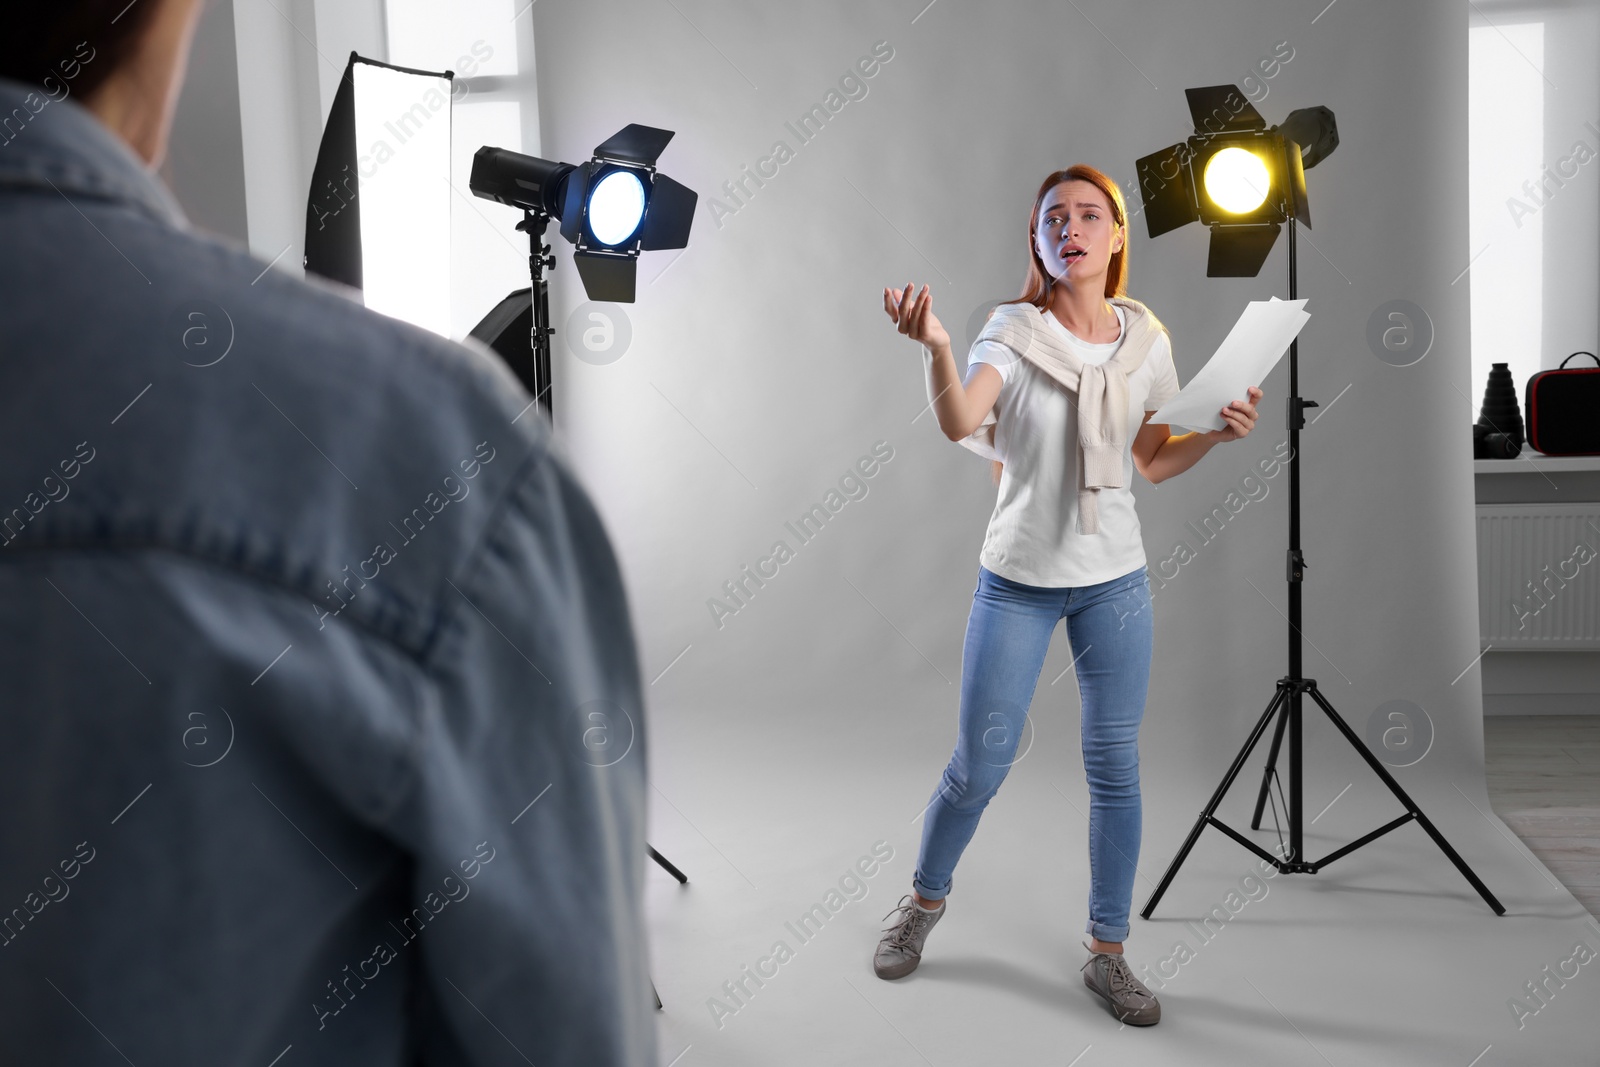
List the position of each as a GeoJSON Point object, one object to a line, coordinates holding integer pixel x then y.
{"type": "Point", "coordinates": [612, 207]}
{"type": "Point", "coordinates": [1286, 705]}
{"type": "Point", "coordinates": [537, 376]}
{"type": "Point", "coordinates": [533, 368]}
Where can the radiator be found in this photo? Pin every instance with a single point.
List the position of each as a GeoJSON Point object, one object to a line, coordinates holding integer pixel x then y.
{"type": "Point", "coordinates": [1537, 576]}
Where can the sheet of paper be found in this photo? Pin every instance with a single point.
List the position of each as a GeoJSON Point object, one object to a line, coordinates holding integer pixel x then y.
{"type": "Point", "coordinates": [1251, 349]}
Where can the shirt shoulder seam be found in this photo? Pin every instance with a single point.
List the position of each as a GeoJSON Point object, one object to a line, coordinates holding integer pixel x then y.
{"type": "Point", "coordinates": [207, 561]}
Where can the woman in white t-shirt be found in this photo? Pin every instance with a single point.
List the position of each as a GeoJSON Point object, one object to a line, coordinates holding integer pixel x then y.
{"type": "Point", "coordinates": [1038, 565]}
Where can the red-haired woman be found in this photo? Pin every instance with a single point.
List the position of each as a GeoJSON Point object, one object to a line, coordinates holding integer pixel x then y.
{"type": "Point", "coordinates": [1055, 384]}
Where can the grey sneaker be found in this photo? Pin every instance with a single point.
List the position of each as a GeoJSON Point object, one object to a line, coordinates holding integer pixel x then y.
{"type": "Point", "coordinates": [1109, 975]}
{"type": "Point", "coordinates": [901, 948]}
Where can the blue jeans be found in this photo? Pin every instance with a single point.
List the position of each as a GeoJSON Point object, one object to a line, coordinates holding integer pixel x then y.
{"type": "Point", "coordinates": [1008, 633]}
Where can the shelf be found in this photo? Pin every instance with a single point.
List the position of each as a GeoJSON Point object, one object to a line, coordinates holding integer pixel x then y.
{"type": "Point", "coordinates": [1531, 462]}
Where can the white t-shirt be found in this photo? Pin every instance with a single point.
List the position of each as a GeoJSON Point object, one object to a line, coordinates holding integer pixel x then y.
{"type": "Point", "coordinates": [1032, 536]}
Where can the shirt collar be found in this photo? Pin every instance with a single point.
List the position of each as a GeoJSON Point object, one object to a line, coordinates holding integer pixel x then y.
{"type": "Point", "coordinates": [50, 143]}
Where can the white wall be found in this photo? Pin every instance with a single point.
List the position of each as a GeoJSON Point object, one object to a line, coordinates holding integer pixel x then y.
{"type": "Point", "coordinates": [204, 166]}
{"type": "Point", "coordinates": [762, 365]}
{"type": "Point", "coordinates": [291, 55]}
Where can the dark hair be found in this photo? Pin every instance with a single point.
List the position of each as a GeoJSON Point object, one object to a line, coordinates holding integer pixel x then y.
{"type": "Point", "coordinates": [1037, 282]}
{"type": "Point", "coordinates": [73, 43]}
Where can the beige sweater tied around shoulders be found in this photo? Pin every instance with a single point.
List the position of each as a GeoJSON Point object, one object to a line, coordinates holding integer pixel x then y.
{"type": "Point", "coordinates": [1100, 391]}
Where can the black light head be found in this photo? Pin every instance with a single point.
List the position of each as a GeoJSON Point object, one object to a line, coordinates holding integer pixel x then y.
{"type": "Point", "coordinates": [512, 178]}
{"type": "Point", "coordinates": [610, 208]}
{"type": "Point", "coordinates": [1237, 176]}
{"type": "Point", "coordinates": [1314, 130]}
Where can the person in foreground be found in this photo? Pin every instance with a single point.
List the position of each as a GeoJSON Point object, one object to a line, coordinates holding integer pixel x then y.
{"type": "Point", "coordinates": [1054, 384]}
{"type": "Point", "coordinates": [309, 628]}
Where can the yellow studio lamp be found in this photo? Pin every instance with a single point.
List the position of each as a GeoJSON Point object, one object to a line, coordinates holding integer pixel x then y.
{"type": "Point", "coordinates": [1236, 175]}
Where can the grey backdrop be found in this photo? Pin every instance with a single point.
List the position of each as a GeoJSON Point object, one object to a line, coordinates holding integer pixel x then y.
{"type": "Point", "coordinates": [761, 365]}
{"type": "Point", "coordinates": [757, 367]}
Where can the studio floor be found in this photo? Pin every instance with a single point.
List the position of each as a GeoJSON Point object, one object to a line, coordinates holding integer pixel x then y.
{"type": "Point", "coordinates": [1544, 783]}
{"type": "Point", "coordinates": [1388, 956]}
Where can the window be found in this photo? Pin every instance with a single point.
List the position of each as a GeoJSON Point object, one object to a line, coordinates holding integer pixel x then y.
{"type": "Point", "coordinates": [1505, 143]}
{"type": "Point", "coordinates": [489, 46]}
{"type": "Point", "coordinates": [1534, 218]}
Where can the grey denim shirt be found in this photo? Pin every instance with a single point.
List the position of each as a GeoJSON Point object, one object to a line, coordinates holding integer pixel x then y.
{"type": "Point", "coordinates": [323, 728]}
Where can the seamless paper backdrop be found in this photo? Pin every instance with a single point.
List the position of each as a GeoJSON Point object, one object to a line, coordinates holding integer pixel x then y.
{"type": "Point", "coordinates": [760, 373]}
{"type": "Point", "coordinates": [801, 542]}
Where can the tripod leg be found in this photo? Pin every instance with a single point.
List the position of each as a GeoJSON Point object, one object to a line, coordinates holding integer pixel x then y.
{"type": "Point", "coordinates": [666, 864]}
{"type": "Point", "coordinates": [1394, 787]}
{"type": "Point", "coordinates": [1278, 698]}
{"type": "Point", "coordinates": [1272, 761]}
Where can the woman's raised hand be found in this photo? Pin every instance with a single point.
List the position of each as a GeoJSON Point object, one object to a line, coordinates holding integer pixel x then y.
{"type": "Point", "coordinates": [913, 315]}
